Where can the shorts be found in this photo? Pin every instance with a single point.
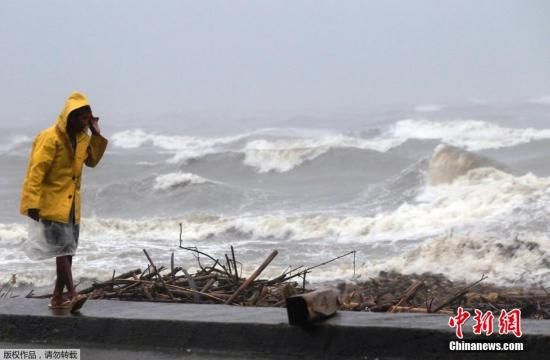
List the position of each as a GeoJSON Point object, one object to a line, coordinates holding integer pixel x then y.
{"type": "Point", "coordinates": [62, 236]}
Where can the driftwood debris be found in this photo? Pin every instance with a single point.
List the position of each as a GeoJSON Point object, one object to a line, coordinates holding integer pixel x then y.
{"type": "Point", "coordinates": [252, 277]}
{"type": "Point", "coordinates": [158, 275]}
{"type": "Point", "coordinates": [407, 295]}
{"type": "Point", "coordinates": [220, 282]}
{"type": "Point", "coordinates": [433, 293]}
{"type": "Point", "coordinates": [215, 284]}
{"type": "Point", "coordinates": [306, 308]}
{"type": "Point", "coordinates": [456, 296]}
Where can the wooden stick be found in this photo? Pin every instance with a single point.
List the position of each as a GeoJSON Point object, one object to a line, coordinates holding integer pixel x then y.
{"type": "Point", "coordinates": [316, 266]}
{"type": "Point", "coordinates": [457, 295]}
{"type": "Point", "coordinates": [172, 272]}
{"type": "Point", "coordinates": [235, 264]}
{"type": "Point", "coordinates": [406, 309]}
{"type": "Point", "coordinates": [208, 285]}
{"type": "Point", "coordinates": [228, 265]}
{"type": "Point", "coordinates": [171, 277]}
{"type": "Point", "coordinates": [147, 293]}
{"type": "Point", "coordinates": [408, 294]}
{"type": "Point", "coordinates": [262, 293]}
{"type": "Point", "coordinates": [126, 288]}
{"type": "Point", "coordinates": [183, 278]}
{"type": "Point", "coordinates": [220, 294]}
{"type": "Point", "coordinates": [252, 277]}
{"type": "Point", "coordinates": [154, 273]}
{"type": "Point", "coordinates": [123, 276]}
{"type": "Point", "coordinates": [160, 277]}
{"type": "Point", "coordinates": [128, 282]}
{"type": "Point", "coordinates": [196, 297]}
{"type": "Point", "coordinates": [354, 252]}
{"type": "Point", "coordinates": [146, 271]}
{"type": "Point", "coordinates": [195, 250]}
{"type": "Point", "coordinates": [190, 291]}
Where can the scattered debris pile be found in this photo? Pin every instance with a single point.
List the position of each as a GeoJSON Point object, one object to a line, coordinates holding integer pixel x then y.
{"type": "Point", "coordinates": [215, 284]}
{"type": "Point", "coordinates": [431, 293]}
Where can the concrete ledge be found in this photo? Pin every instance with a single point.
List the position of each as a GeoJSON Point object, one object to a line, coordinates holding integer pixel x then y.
{"type": "Point", "coordinates": [256, 331]}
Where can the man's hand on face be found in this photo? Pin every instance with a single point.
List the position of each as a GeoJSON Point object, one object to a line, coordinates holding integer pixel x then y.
{"type": "Point", "coordinates": [34, 214]}
{"type": "Point", "coordinates": [94, 126]}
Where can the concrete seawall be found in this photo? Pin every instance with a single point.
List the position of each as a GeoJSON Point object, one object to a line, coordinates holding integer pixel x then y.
{"type": "Point", "coordinates": [250, 331]}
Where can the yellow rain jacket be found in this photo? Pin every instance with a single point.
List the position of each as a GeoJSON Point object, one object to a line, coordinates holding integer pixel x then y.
{"type": "Point", "coordinates": [55, 168]}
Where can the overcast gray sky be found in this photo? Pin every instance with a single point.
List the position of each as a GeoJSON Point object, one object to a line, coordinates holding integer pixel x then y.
{"type": "Point", "coordinates": [278, 58]}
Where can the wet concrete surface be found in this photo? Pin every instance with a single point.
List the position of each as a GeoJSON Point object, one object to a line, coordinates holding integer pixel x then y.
{"type": "Point", "coordinates": [183, 329]}
{"type": "Point", "coordinates": [111, 353]}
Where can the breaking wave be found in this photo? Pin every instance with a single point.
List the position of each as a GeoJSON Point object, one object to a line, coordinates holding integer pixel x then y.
{"type": "Point", "coordinates": [14, 143]}
{"type": "Point", "coordinates": [177, 179]}
{"type": "Point", "coordinates": [285, 149]}
{"type": "Point", "coordinates": [449, 162]}
{"type": "Point", "coordinates": [473, 135]}
{"type": "Point", "coordinates": [516, 259]}
{"type": "Point", "coordinates": [181, 148]}
{"type": "Point", "coordinates": [285, 155]}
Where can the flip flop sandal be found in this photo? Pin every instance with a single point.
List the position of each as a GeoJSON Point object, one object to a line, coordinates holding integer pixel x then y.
{"type": "Point", "coordinates": [67, 304]}
{"type": "Point", "coordinates": [78, 302]}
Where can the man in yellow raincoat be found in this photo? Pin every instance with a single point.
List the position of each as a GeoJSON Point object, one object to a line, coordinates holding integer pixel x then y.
{"type": "Point", "coordinates": [51, 191]}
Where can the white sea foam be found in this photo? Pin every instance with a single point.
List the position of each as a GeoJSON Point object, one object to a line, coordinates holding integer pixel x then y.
{"type": "Point", "coordinates": [12, 235]}
{"type": "Point", "coordinates": [146, 163]}
{"type": "Point", "coordinates": [182, 148]}
{"type": "Point", "coordinates": [177, 179]}
{"type": "Point", "coordinates": [468, 134]}
{"type": "Point", "coordinates": [504, 259]}
{"type": "Point", "coordinates": [285, 155]}
{"type": "Point", "coordinates": [280, 155]}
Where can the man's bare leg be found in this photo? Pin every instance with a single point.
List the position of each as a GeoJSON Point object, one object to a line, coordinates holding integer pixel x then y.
{"type": "Point", "coordinates": [58, 298]}
{"type": "Point", "coordinates": [67, 267]}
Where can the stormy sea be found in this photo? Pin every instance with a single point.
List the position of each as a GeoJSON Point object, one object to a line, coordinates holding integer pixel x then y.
{"type": "Point", "coordinates": [461, 191]}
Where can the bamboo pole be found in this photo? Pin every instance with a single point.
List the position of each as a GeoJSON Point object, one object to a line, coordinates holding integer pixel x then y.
{"type": "Point", "coordinates": [159, 276]}
{"type": "Point", "coordinates": [456, 296]}
{"type": "Point", "coordinates": [252, 277]}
